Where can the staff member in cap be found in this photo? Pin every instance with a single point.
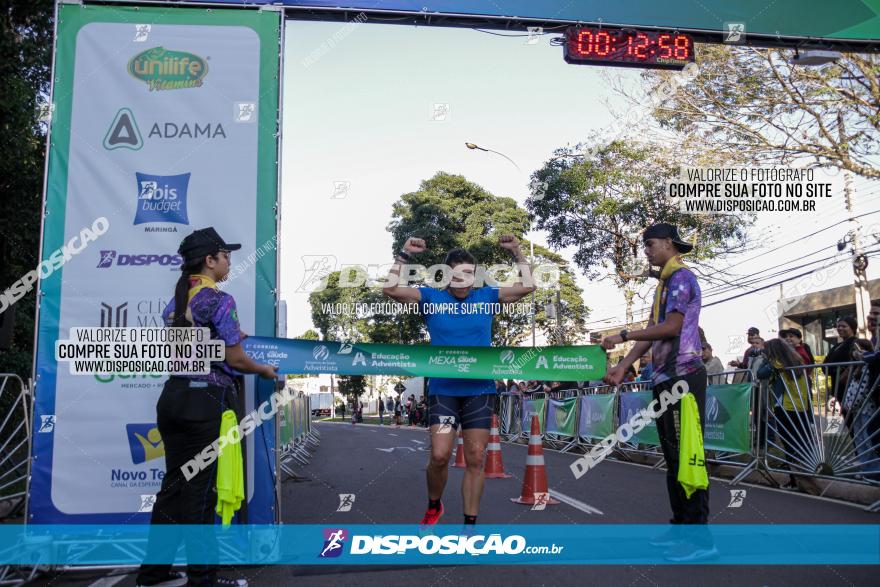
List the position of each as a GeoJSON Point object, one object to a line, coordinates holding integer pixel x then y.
{"type": "Point", "coordinates": [673, 336]}
{"type": "Point", "coordinates": [190, 408]}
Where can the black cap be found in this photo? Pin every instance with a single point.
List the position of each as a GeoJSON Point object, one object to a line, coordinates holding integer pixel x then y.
{"type": "Point", "coordinates": [753, 330]}
{"type": "Point", "coordinates": [670, 231]}
{"type": "Point", "coordinates": [204, 241]}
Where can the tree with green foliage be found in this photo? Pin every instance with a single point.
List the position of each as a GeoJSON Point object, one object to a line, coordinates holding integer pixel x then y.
{"type": "Point", "coordinates": [309, 334]}
{"type": "Point", "coordinates": [448, 212]}
{"type": "Point", "coordinates": [601, 203]}
{"type": "Point", "coordinates": [754, 106]}
{"type": "Point", "coordinates": [352, 386]}
{"type": "Point", "coordinates": [25, 58]}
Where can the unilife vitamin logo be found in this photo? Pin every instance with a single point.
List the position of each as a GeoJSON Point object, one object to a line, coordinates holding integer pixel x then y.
{"type": "Point", "coordinates": [163, 69]}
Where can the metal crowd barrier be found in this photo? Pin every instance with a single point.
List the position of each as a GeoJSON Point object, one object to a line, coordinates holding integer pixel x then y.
{"type": "Point", "coordinates": [509, 415]}
{"type": "Point", "coordinates": [295, 438]}
{"type": "Point", "coordinates": [16, 416]}
{"type": "Point", "coordinates": [533, 403]}
{"type": "Point", "coordinates": [560, 429]}
{"type": "Point", "coordinates": [824, 422]}
{"type": "Point", "coordinates": [831, 429]}
{"type": "Point", "coordinates": [15, 444]}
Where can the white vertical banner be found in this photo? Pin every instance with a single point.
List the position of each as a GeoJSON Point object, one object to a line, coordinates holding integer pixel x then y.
{"type": "Point", "coordinates": [159, 129]}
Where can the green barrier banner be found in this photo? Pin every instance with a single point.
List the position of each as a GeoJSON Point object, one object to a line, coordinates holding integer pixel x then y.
{"type": "Point", "coordinates": [567, 363]}
{"type": "Point", "coordinates": [532, 406]}
{"type": "Point", "coordinates": [597, 416]}
{"type": "Point", "coordinates": [630, 404]}
{"type": "Point", "coordinates": [284, 426]}
{"type": "Point", "coordinates": [561, 415]}
{"type": "Point", "coordinates": [727, 417]}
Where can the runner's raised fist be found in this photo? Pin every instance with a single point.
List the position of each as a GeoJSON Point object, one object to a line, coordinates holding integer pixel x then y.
{"type": "Point", "coordinates": [414, 245]}
{"type": "Point", "coordinates": [509, 242]}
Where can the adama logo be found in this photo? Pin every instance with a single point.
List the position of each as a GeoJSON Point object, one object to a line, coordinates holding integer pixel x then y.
{"type": "Point", "coordinates": [334, 542]}
{"type": "Point", "coordinates": [163, 69]}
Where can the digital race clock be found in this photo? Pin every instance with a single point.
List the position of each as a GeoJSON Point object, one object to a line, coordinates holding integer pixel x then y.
{"type": "Point", "coordinates": [628, 48]}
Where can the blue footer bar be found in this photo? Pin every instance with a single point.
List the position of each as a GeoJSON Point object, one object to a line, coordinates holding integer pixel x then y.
{"type": "Point", "coordinates": [599, 544]}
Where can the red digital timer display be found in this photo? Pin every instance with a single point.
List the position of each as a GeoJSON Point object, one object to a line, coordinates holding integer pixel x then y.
{"type": "Point", "coordinates": [628, 48]}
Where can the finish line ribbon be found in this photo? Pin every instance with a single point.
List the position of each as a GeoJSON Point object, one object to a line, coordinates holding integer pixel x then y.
{"type": "Point", "coordinates": [560, 363]}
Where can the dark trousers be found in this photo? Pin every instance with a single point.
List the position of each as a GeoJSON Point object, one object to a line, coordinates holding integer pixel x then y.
{"type": "Point", "coordinates": [189, 420]}
{"type": "Point", "coordinates": [696, 509]}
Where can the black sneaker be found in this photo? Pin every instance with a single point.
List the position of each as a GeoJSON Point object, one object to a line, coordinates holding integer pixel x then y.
{"type": "Point", "coordinates": [669, 538]}
{"type": "Point", "coordinates": [687, 552]}
{"type": "Point", "coordinates": [227, 582]}
{"type": "Point", "coordinates": [172, 579]}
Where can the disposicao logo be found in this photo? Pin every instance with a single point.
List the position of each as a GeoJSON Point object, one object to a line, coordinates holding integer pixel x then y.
{"type": "Point", "coordinates": [334, 542]}
{"type": "Point", "coordinates": [163, 69]}
{"type": "Point", "coordinates": [145, 442]}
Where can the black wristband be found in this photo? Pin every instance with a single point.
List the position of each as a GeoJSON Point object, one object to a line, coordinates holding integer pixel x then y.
{"type": "Point", "coordinates": [405, 256]}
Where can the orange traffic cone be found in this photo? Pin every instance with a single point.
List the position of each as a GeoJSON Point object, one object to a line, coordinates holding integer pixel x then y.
{"type": "Point", "coordinates": [494, 467]}
{"type": "Point", "coordinates": [535, 479]}
{"type": "Point", "coordinates": [459, 452]}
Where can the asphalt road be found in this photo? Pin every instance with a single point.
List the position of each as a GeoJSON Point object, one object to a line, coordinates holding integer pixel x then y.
{"type": "Point", "coordinates": [389, 488]}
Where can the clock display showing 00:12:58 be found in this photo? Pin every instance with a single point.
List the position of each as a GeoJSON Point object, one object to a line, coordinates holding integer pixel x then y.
{"type": "Point", "coordinates": [628, 48]}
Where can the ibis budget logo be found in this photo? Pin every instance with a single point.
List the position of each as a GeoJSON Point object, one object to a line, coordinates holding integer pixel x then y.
{"type": "Point", "coordinates": [145, 442]}
{"type": "Point", "coordinates": [164, 69]}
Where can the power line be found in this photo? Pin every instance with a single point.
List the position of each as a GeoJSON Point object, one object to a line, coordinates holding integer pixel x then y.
{"type": "Point", "coordinates": [875, 252]}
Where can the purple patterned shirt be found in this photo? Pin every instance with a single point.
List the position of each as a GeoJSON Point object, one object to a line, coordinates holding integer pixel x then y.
{"type": "Point", "coordinates": [214, 309]}
{"type": "Point", "coordinates": [681, 355]}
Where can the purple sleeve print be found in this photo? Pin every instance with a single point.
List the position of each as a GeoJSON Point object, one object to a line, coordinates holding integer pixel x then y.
{"type": "Point", "coordinates": [679, 292]}
{"type": "Point", "coordinates": [226, 321]}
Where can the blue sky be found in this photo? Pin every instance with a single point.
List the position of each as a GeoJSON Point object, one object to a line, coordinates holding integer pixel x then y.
{"type": "Point", "coordinates": [360, 112]}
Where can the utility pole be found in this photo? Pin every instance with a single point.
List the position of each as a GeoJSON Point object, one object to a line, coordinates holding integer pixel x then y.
{"type": "Point", "coordinates": [559, 338]}
{"type": "Point", "coordinates": [859, 260]}
{"type": "Point", "coordinates": [532, 263]}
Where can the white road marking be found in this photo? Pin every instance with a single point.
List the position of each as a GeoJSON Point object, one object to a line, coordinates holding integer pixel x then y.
{"type": "Point", "coordinates": [418, 441]}
{"type": "Point", "coordinates": [578, 505]}
{"type": "Point", "coordinates": [392, 434]}
{"type": "Point", "coordinates": [108, 581]}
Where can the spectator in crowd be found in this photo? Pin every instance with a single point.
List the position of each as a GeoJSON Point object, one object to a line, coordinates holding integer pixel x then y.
{"type": "Point", "coordinates": [793, 421]}
{"type": "Point", "coordinates": [647, 368]}
{"type": "Point", "coordinates": [795, 338]}
{"type": "Point", "coordinates": [411, 410]}
{"type": "Point", "coordinates": [421, 419]}
{"type": "Point", "coordinates": [342, 410]}
{"type": "Point", "coordinates": [398, 410]}
{"type": "Point", "coordinates": [499, 387]}
{"type": "Point", "coordinates": [848, 349]}
{"type": "Point", "coordinates": [873, 323]}
{"type": "Point", "coordinates": [755, 343]}
{"type": "Point", "coordinates": [381, 411]}
{"type": "Point", "coordinates": [713, 365]}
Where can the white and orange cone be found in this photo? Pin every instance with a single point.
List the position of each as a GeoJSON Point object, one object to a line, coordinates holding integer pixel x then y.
{"type": "Point", "coordinates": [459, 451]}
{"type": "Point", "coordinates": [535, 479]}
{"type": "Point", "coordinates": [494, 466]}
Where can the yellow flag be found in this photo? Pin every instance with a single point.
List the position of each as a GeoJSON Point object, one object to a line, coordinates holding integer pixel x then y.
{"type": "Point", "coordinates": [691, 458]}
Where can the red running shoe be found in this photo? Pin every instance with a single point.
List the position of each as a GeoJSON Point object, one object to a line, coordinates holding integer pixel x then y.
{"type": "Point", "coordinates": [432, 516]}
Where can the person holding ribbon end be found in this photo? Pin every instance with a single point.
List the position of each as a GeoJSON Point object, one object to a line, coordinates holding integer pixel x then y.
{"type": "Point", "coordinates": [673, 337]}
{"type": "Point", "coordinates": [189, 414]}
{"type": "Point", "coordinates": [458, 315]}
